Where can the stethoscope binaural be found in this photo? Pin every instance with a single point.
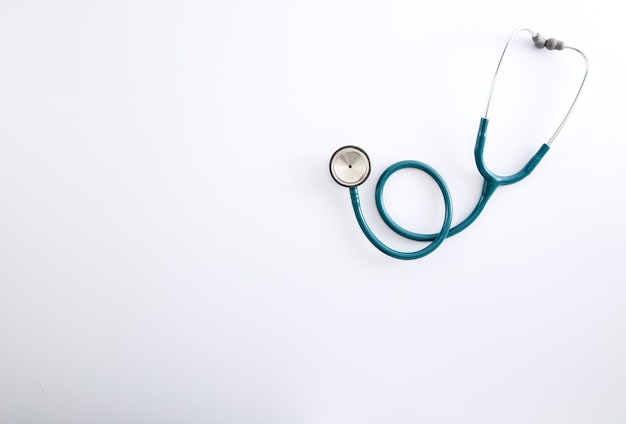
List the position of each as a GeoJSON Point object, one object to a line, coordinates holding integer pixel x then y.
{"type": "Point", "coordinates": [350, 167]}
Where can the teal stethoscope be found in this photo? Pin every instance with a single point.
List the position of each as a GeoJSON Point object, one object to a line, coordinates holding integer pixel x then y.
{"type": "Point", "coordinates": [350, 167]}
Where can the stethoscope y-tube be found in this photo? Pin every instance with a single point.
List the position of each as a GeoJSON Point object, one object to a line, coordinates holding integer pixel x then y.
{"type": "Point", "coordinates": [350, 167]}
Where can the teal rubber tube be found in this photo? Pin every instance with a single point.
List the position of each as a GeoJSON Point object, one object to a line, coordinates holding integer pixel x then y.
{"type": "Point", "coordinates": [439, 237]}
{"type": "Point", "coordinates": [491, 183]}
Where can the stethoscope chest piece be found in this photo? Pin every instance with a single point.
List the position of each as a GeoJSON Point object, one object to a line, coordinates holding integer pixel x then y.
{"type": "Point", "coordinates": [350, 166]}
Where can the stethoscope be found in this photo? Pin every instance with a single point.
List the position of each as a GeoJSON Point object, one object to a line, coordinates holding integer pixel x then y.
{"type": "Point", "coordinates": [350, 167]}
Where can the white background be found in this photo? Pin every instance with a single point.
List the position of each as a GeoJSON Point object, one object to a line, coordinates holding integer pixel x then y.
{"type": "Point", "coordinates": [173, 249]}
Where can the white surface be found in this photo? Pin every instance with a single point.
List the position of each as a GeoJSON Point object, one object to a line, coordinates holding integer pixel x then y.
{"type": "Point", "coordinates": [173, 249]}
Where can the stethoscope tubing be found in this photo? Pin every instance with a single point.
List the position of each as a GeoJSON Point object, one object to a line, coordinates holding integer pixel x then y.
{"type": "Point", "coordinates": [491, 181]}
{"type": "Point", "coordinates": [438, 237]}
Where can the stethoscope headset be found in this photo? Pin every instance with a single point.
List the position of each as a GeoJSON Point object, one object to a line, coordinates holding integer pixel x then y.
{"type": "Point", "coordinates": [350, 167]}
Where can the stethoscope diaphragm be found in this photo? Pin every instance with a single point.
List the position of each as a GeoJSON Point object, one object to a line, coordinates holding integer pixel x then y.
{"type": "Point", "coordinates": [350, 166]}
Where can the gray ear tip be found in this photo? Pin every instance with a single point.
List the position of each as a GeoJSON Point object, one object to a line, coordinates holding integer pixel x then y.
{"type": "Point", "coordinates": [551, 43]}
{"type": "Point", "coordinates": [539, 41]}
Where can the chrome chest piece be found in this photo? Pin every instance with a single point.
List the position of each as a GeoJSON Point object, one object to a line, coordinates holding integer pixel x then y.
{"type": "Point", "coordinates": [350, 166]}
